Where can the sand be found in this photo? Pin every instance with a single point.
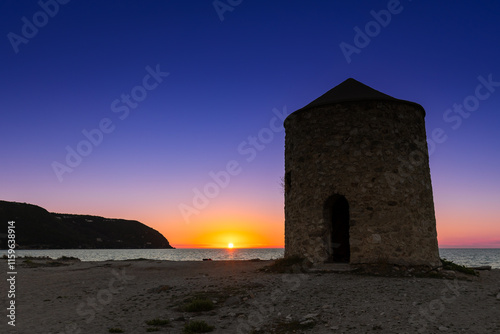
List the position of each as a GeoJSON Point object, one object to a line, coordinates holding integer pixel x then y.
{"type": "Point", "coordinates": [92, 297]}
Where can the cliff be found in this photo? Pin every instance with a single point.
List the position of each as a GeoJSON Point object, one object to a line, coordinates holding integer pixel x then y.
{"type": "Point", "coordinates": [36, 228]}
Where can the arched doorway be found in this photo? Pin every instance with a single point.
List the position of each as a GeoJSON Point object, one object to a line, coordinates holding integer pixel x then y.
{"type": "Point", "coordinates": [337, 218]}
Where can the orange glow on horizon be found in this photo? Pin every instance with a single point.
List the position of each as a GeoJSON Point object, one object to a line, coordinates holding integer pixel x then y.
{"type": "Point", "coordinates": [209, 246]}
{"type": "Point", "coordinates": [456, 229]}
{"type": "Point", "coordinates": [247, 225]}
{"type": "Point", "coordinates": [219, 227]}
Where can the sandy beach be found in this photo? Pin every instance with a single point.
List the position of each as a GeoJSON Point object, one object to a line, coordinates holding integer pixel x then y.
{"type": "Point", "coordinates": [154, 296]}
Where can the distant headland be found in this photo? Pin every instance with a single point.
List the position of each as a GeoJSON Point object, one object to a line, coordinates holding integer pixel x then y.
{"type": "Point", "coordinates": [36, 228]}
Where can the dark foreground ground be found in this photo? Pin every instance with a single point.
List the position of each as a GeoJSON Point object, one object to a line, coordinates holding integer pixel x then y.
{"type": "Point", "coordinates": [235, 297]}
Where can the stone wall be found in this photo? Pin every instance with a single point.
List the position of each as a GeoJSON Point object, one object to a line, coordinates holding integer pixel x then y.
{"type": "Point", "coordinates": [374, 153]}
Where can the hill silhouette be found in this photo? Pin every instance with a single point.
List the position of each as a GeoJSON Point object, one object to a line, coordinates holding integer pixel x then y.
{"type": "Point", "coordinates": [36, 228]}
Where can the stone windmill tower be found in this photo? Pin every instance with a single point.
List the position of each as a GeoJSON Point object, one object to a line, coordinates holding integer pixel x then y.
{"type": "Point", "coordinates": [357, 180]}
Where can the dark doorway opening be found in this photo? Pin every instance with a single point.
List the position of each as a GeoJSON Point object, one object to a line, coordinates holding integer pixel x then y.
{"type": "Point", "coordinates": [337, 215]}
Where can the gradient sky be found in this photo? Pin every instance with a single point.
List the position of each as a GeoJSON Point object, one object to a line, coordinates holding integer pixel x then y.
{"type": "Point", "coordinates": [232, 74]}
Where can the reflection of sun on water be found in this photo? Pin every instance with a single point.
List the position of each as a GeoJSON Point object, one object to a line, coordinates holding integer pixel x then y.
{"type": "Point", "coordinates": [230, 252]}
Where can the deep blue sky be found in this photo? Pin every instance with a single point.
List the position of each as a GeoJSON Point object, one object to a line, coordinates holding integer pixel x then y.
{"type": "Point", "coordinates": [225, 78]}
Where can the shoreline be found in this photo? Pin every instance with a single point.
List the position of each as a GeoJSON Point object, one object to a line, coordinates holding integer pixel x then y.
{"type": "Point", "coordinates": [91, 297]}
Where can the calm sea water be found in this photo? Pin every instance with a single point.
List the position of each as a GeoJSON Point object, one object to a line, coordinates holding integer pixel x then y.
{"type": "Point", "coordinates": [465, 256]}
{"type": "Point", "coordinates": [472, 257]}
{"type": "Point", "coordinates": [158, 254]}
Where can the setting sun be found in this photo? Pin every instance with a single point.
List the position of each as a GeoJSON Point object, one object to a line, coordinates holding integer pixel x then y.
{"type": "Point", "coordinates": [230, 245]}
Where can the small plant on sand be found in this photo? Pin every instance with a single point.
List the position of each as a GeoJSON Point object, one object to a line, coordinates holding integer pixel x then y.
{"type": "Point", "coordinates": [115, 330]}
{"type": "Point", "coordinates": [199, 304]}
{"type": "Point", "coordinates": [287, 264]}
{"type": "Point", "coordinates": [30, 257]}
{"type": "Point", "coordinates": [197, 326]}
{"type": "Point", "coordinates": [68, 258]}
{"type": "Point", "coordinates": [159, 289]}
{"type": "Point", "coordinates": [291, 327]}
{"type": "Point", "coordinates": [158, 322]}
{"type": "Point", "coordinates": [55, 264]}
{"type": "Point", "coordinates": [448, 265]}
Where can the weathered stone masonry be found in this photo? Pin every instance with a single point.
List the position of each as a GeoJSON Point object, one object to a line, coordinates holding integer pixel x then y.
{"type": "Point", "coordinates": [357, 180]}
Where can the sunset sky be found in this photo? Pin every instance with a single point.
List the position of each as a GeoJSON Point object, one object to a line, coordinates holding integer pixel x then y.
{"type": "Point", "coordinates": [171, 112]}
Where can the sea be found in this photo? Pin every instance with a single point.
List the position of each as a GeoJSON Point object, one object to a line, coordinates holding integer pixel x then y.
{"type": "Point", "coordinates": [471, 257]}
{"type": "Point", "coordinates": [179, 254]}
